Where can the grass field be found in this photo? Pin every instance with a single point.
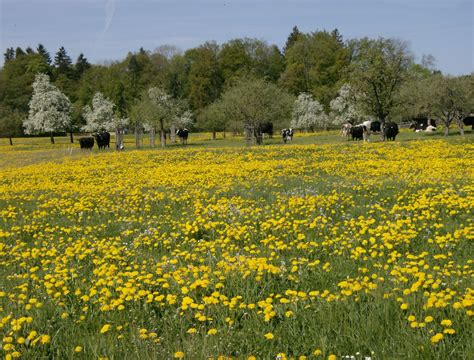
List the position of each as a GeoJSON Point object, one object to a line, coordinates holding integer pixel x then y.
{"type": "Point", "coordinates": [322, 248]}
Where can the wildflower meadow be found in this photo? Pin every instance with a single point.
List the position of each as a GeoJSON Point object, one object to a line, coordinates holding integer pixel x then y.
{"type": "Point", "coordinates": [330, 251]}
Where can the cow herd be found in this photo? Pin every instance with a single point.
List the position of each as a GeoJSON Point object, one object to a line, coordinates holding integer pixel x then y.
{"type": "Point", "coordinates": [364, 130]}
{"type": "Point", "coordinates": [360, 131]}
{"type": "Point", "coordinates": [102, 138]}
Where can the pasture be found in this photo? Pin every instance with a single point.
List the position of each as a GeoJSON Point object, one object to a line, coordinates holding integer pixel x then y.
{"type": "Point", "coordinates": [322, 248]}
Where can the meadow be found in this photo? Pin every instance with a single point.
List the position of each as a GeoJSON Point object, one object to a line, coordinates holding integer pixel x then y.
{"type": "Point", "coordinates": [322, 248]}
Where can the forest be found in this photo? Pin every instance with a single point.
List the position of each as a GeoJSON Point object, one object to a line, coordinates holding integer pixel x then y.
{"type": "Point", "coordinates": [317, 81]}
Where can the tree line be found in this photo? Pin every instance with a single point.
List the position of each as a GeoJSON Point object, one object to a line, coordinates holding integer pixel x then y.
{"type": "Point", "coordinates": [317, 80]}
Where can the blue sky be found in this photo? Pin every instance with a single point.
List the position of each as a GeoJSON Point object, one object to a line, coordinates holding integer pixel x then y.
{"type": "Point", "coordinates": [107, 29]}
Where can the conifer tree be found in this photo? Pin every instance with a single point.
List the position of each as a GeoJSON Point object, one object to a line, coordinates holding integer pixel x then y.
{"type": "Point", "coordinates": [44, 53]}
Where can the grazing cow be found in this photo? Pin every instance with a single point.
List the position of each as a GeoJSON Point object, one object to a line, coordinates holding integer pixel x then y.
{"type": "Point", "coordinates": [420, 124]}
{"type": "Point", "coordinates": [469, 121]}
{"type": "Point", "coordinates": [103, 139]}
{"type": "Point", "coordinates": [287, 135]}
{"type": "Point", "coordinates": [267, 128]}
{"type": "Point", "coordinates": [357, 132]}
{"type": "Point", "coordinates": [346, 130]}
{"type": "Point", "coordinates": [183, 135]}
{"type": "Point", "coordinates": [390, 130]}
{"type": "Point", "coordinates": [375, 126]}
{"type": "Point", "coordinates": [86, 143]}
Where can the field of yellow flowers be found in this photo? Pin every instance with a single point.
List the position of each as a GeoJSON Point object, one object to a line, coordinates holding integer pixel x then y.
{"type": "Point", "coordinates": [297, 251]}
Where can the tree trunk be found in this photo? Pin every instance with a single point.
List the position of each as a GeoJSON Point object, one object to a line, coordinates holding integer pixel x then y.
{"type": "Point", "coordinates": [162, 133]}
{"type": "Point", "coordinates": [11, 142]}
{"type": "Point", "coordinates": [382, 129]}
{"type": "Point", "coordinates": [138, 137]}
{"type": "Point", "coordinates": [71, 137]}
{"type": "Point", "coordinates": [173, 134]}
{"type": "Point", "coordinates": [446, 130]}
{"type": "Point", "coordinates": [213, 135]}
{"type": "Point", "coordinates": [118, 140]}
{"type": "Point", "coordinates": [460, 126]}
{"type": "Point", "coordinates": [223, 134]}
{"type": "Point", "coordinates": [152, 137]}
{"type": "Point", "coordinates": [258, 137]}
{"type": "Point", "coordinates": [52, 138]}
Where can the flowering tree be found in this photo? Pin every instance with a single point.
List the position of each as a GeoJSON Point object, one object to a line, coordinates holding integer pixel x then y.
{"type": "Point", "coordinates": [308, 113]}
{"type": "Point", "coordinates": [184, 119]}
{"type": "Point", "coordinates": [344, 108]}
{"type": "Point", "coordinates": [101, 116]}
{"type": "Point", "coordinates": [50, 109]}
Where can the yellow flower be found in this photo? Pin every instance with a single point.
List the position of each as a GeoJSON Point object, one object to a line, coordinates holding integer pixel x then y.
{"type": "Point", "coordinates": [78, 349]}
{"type": "Point", "coordinates": [105, 328]}
{"type": "Point", "coordinates": [191, 331]}
{"type": "Point", "coordinates": [212, 332]}
{"type": "Point", "coordinates": [45, 339]}
{"type": "Point", "coordinates": [269, 336]}
{"type": "Point", "coordinates": [437, 338]}
{"type": "Point", "coordinates": [446, 322]}
{"type": "Point", "coordinates": [404, 306]}
{"type": "Point", "coordinates": [179, 355]}
{"type": "Point", "coordinates": [428, 319]}
{"type": "Point", "coordinates": [317, 352]}
{"type": "Point", "coordinates": [332, 357]}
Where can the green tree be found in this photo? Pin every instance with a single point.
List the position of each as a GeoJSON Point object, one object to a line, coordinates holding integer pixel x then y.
{"type": "Point", "coordinates": [19, 52]}
{"type": "Point", "coordinates": [378, 70]}
{"type": "Point", "coordinates": [316, 63]}
{"type": "Point", "coordinates": [453, 100]}
{"type": "Point", "coordinates": [204, 81]}
{"type": "Point", "coordinates": [294, 36]}
{"type": "Point", "coordinates": [44, 53]}
{"type": "Point", "coordinates": [81, 66]}
{"type": "Point", "coordinates": [10, 123]}
{"type": "Point", "coordinates": [233, 60]}
{"type": "Point", "coordinates": [252, 102]}
{"type": "Point", "coordinates": [9, 55]}
{"type": "Point", "coordinates": [243, 57]}
{"type": "Point", "coordinates": [213, 118]}
{"type": "Point", "coordinates": [62, 63]}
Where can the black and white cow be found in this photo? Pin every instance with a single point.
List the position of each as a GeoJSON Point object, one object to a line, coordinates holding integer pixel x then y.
{"type": "Point", "coordinates": [421, 124]}
{"type": "Point", "coordinates": [287, 135]}
{"type": "Point", "coordinates": [86, 143]}
{"type": "Point", "coordinates": [346, 130]}
{"type": "Point", "coordinates": [391, 130]}
{"type": "Point", "coordinates": [183, 135]}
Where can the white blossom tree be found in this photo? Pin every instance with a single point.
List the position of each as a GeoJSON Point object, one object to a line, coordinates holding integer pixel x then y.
{"type": "Point", "coordinates": [101, 116]}
{"type": "Point", "coordinates": [50, 110]}
{"type": "Point", "coordinates": [344, 108]}
{"type": "Point", "coordinates": [308, 113]}
{"type": "Point", "coordinates": [184, 119]}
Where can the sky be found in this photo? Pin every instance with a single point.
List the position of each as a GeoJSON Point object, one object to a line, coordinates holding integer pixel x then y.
{"type": "Point", "coordinates": [106, 30]}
